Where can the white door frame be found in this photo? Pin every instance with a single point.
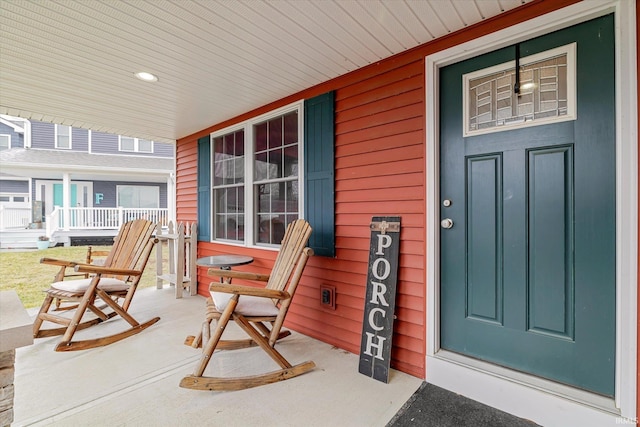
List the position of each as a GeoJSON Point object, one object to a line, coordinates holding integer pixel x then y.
{"type": "Point", "coordinates": [48, 183]}
{"type": "Point", "coordinates": [527, 396]}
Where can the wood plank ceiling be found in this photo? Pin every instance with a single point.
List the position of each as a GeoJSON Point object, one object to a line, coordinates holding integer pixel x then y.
{"type": "Point", "coordinates": [73, 62]}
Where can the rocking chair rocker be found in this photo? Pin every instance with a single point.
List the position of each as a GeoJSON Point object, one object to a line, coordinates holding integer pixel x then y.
{"type": "Point", "coordinates": [260, 312]}
{"type": "Point", "coordinates": [116, 279]}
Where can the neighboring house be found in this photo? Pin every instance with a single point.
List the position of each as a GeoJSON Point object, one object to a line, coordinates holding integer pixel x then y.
{"type": "Point", "coordinates": [525, 296]}
{"type": "Point", "coordinates": [77, 175]}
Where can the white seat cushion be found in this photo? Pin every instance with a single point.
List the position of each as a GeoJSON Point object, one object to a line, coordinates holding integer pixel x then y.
{"type": "Point", "coordinates": [247, 305]}
{"type": "Point", "coordinates": [107, 284]}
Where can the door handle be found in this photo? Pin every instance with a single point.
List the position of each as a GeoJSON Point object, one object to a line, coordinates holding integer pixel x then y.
{"type": "Point", "coordinates": [446, 223]}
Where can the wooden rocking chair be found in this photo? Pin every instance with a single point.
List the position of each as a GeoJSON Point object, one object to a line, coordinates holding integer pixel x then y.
{"type": "Point", "coordinates": [260, 312]}
{"type": "Point", "coordinates": [116, 279]}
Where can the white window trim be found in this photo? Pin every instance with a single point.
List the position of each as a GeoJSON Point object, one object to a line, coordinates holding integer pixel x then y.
{"type": "Point", "coordinates": [247, 125]}
{"type": "Point", "coordinates": [70, 138]}
{"type": "Point", "coordinates": [9, 138]}
{"type": "Point", "coordinates": [136, 145]}
{"type": "Point", "coordinates": [545, 402]}
{"type": "Point", "coordinates": [12, 196]}
{"type": "Point", "coordinates": [569, 50]}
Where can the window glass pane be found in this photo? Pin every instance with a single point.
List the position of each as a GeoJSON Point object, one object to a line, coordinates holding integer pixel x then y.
{"type": "Point", "coordinates": [218, 161]}
{"type": "Point", "coordinates": [148, 197]}
{"type": "Point", "coordinates": [138, 196]}
{"type": "Point", "coordinates": [290, 161]}
{"type": "Point", "coordinates": [5, 142]}
{"type": "Point", "coordinates": [271, 230]}
{"type": "Point", "coordinates": [239, 143]}
{"type": "Point", "coordinates": [126, 197]}
{"type": "Point", "coordinates": [145, 146]}
{"type": "Point", "coordinates": [260, 135]}
{"type": "Point", "coordinates": [277, 206]}
{"type": "Point", "coordinates": [266, 194]}
{"type": "Point", "coordinates": [127, 144]}
{"type": "Point", "coordinates": [228, 144]}
{"type": "Point", "coordinates": [275, 164]}
{"type": "Point", "coordinates": [275, 132]}
{"type": "Point", "coordinates": [261, 167]}
{"type": "Point", "coordinates": [228, 159]}
{"type": "Point", "coordinates": [229, 213]}
{"type": "Point", "coordinates": [291, 128]}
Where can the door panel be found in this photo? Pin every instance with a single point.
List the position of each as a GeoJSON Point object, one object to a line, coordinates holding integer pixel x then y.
{"type": "Point", "coordinates": [551, 284]}
{"type": "Point", "coordinates": [484, 245]}
{"type": "Point", "coordinates": [528, 268]}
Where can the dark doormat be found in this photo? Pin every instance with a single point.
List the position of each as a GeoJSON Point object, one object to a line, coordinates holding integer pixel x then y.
{"type": "Point", "coordinates": [432, 406]}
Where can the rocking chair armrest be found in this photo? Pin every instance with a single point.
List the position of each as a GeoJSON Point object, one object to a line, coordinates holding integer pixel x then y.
{"type": "Point", "coordinates": [96, 269]}
{"type": "Point", "coordinates": [60, 262]}
{"type": "Point", "coordinates": [248, 290]}
{"type": "Point", "coordinates": [216, 272]}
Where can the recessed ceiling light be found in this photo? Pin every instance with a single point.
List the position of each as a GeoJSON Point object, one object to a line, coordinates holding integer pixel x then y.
{"type": "Point", "coordinates": [146, 77]}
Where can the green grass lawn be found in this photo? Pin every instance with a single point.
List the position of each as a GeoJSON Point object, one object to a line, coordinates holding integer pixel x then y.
{"type": "Point", "coordinates": [22, 271]}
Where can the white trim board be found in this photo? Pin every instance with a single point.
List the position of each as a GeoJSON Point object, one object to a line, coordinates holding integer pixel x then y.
{"type": "Point", "coordinates": [525, 396]}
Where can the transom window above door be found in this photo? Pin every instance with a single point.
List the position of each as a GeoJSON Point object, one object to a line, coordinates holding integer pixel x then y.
{"type": "Point", "coordinates": [547, 93]}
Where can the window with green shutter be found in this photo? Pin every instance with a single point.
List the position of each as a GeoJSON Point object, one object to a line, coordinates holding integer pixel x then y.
{"type": "Point", "coordinates": [250, 177]}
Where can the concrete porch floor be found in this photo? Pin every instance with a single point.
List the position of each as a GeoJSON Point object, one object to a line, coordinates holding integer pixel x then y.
{"type": "Point", "coordinates": [135, 382]}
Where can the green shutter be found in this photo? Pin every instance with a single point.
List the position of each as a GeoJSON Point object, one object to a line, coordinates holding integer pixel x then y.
{"type": "Point", "coordinates": [318, 171]}
{"type": "Point", "coordinates": [204, 188]}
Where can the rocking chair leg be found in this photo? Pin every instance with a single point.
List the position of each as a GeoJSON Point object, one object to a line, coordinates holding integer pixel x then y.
{"type": "Point", "coordinates": [262, 342]}
{"type": "Point", "coordinates": [210, 346]}
{"type": "Point", "coordinates": [46, 304]}
{"type": "Point", "coordinates": [75, 320]}
{"type": "Point", "coordinates": [205, 334]}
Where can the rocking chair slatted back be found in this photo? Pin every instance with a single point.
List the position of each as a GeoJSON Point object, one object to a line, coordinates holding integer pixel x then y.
{"type": "Point", "coordinates": [131, 246]}
{"type": "Point", "coordinates": [293, 242]}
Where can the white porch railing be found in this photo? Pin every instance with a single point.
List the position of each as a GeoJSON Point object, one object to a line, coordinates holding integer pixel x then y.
{"type": "Point", "coordinates": [14, 217]}
{"type": "Point", "coordinates": [101, 218]}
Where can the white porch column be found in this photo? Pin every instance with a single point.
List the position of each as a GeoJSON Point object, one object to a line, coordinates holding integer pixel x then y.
{"type": "Point", "coordinates": [171, 197]}
{"type": "Point", "coordinates": [66, 200]}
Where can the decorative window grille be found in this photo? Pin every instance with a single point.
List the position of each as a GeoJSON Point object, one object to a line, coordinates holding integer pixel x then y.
{"type": "Point", "coordinates": [547, 93]}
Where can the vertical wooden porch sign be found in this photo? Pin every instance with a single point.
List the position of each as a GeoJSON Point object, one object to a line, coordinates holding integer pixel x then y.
{"type": "Point", "coordinates": [382, 278]}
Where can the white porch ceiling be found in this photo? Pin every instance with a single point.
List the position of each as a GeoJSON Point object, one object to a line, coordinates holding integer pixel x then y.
{"type": "Point", "coordinates": [73, 61]}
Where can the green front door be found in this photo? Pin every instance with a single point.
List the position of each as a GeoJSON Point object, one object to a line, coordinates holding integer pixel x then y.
{"type": "Point", "coordinates": [528, 260]}
{"type": "Point", "coordinates": [57, 195]}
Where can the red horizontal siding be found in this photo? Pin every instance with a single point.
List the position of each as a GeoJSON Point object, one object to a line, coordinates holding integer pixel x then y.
{"type": "Point", "coordinates": [187, 180]}
{"type": "Point", "coordinates": [380, 161]}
